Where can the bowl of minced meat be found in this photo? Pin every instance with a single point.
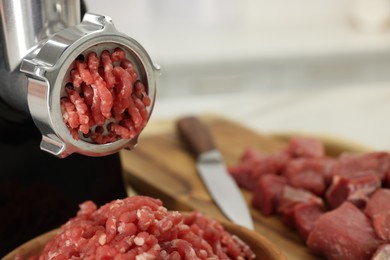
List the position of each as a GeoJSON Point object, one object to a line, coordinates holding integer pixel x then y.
{"type": "Point", "coordinates": [141, 228]}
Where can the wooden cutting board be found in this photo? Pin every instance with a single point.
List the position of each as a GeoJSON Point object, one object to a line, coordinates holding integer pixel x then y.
{"type": "Point", "coordinates": [160, 166]}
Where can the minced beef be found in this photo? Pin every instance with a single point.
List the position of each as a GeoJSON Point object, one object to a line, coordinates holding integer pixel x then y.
{"type": "Point", "coordinates": [105, 99]}
{"type": "Point", "coordinates": [141, 228]}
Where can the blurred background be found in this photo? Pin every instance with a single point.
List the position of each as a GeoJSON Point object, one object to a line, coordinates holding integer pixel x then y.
{"type": "Point", "coordinates": [306, 65]}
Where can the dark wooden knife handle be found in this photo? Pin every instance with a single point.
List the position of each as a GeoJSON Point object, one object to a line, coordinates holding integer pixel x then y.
{"type": "Point", "coordinates": [195, 134]}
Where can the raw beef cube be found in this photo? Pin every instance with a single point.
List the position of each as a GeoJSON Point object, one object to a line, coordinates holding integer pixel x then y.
{"type": "Point", "coordinates": [379, 203]}
{"type": "Point", "coordinates": [378, 209]}
{"type": "Point", "coordinates": [327, 164]}
{"type": "Point", "coordinates": [243, 173]}
{"type": "Point", "coordinates": [267, 194]}
{"type": "Point", "coordinates": [382, 253]}
{"type": "Point", "coordinates": [251, 155]}
{"type": "Point", "coordinates": [287, 215]}
{"type": "Point", "coordinates": [305, 216]}
{"type": "Point", "coordinates": [253, 164]}
{"type": "Point", "coordinates": [305, 147]}
{"type": "Point", "coordinates": [352, 165]}
{"type": "Point", "coordinates": [356, 190]}
{"type": "Point", "coordinates": [387, 179]}
{"type": "Point", "coordinates": [306, 174]}
{"type": "Point", "coordinates": [290, 198]}
{"type": "Point", "coordinates": [381, 224]}
{"type": "Point", "coordinates": [343, 233]}
{"type": "Point", "coordinates": [277, 161]}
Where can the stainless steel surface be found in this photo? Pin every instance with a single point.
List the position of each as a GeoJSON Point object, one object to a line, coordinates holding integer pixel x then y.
{"type": "Point", "coordinates": [48, 68]}
{"type": "Point", "coordinates": [223, 189]}
{"type": "Point", "coordinates": [41, 40]}
{"type": "Point", "coordinates": [26, 23]}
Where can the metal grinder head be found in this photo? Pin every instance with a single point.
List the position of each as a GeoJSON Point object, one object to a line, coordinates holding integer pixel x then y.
{"type": "Point", "coordinates": [44, 73]}
{"type": "Point", "coordinates": [48, 68]}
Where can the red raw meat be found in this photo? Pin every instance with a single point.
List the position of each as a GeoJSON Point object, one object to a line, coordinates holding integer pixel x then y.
{"type": "Point", "coordinates": [296, 185]}
{"type": "Point", "coordinates": [356, 190]}
{"type": "Point", "coordinates": [69, 113]}
{"type": "Point", "coordinates": [305, 217]}
{"type": "Point", "coordinates": [290, 198]}
{"type": "Point", "coordinates": [305, 147]}
{"type": "Point", "coordinates": [108, 68]}
{"type": "Point", "coordinates": [343, 233]}
{"type": "Point", "coordinates": [378, 203]}
{"type": "Point", "coordinates": [243, 172]}
{"type": "Point", "coordinates": [84, 73]}
{"type": "Point", "coordinates": [353, 165]}
{"type": "Point", "coordinates": [378, 209]}
{"type": "Point", "coordinates": [382, 253]}
{"type": "Point", "coordinates": [141, 228]}
{"type": "Point", "coordinates": [82, 109]}
{"type": "Point", "coordinates": [253, 165]}
{"type": "Point", "coordinates": [387, 179]}
{"type": "Point", "coordinates": [328, 164]}
{"type": "Point", "coordinates": [118, 55]}
{"type": "Point", "coordinates": [106, 98]}
{"type": "Point", "coordinates": [140, 92]}
{"type": "Point", "coordinates": [268, 192]}
{"type": "Point", "coordinates": [306, 174]}
{"type": "Point", "coordinates": [381, 224]}
{"type": "Point", "coordinates": [100, 90]}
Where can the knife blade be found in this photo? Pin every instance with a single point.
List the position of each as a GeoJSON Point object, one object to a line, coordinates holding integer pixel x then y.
{"type": "Point", "coordinates": [212, 170]}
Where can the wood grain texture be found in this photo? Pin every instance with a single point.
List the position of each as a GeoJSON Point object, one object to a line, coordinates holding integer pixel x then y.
{"type": "Point", "coordinates": [31, 248]}
{"type": "Point", "coordinates": [162, 167]}
{"type": "Point", "coordinates": [195, 134]}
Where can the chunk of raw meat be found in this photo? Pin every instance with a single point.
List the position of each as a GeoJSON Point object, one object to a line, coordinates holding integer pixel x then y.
{"type": "Point", "coordinates": [328, 164]}
{"type": "Point", "coordinates": [305, 147]}
{"type": "Point", "coordinates": [378, 203]}
{"type": "Point", "coordinates": [290, 198]}
{"type": "Point", "coordinates": [387, 179]}
{"type": "Point", "coordinates": [253, 165]}
{"type": "Point", "coordinates": [305, 216]}
{"type": "Point", "coordinates": [382, 253]}
{"type": "Point", "coordinates": [268, 192]}
{"type": "Point", "coordinates": [378, 209]}
{"type": "Point", "coordinates": [356, 190]}
{"type": "Point", "coordinates": [343, 233]}
{"type": "Point", "coordinates": [306, 174]}
{"type": "Point", "coordinates": [352, 165]}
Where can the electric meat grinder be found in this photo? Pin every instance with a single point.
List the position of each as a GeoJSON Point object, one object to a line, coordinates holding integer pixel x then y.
{"type": "Point", "coordinates": [41, 39]}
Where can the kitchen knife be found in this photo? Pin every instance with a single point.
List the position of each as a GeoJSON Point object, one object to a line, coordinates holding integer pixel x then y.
{"type": "Point", "coordinates": [212, 170]}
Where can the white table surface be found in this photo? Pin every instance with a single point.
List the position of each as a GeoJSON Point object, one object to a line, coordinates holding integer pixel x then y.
{"type": "Point", "coordinates": [359, 114]}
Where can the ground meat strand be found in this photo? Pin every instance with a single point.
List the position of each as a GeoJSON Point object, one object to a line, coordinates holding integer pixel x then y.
{"type": "Point", "coordinates": [129, 67]}
{"type": "Point", "coordinates": [108, 68]}
{"type": "Point", "coordinates": [101, 89]}
{"type": "Point", "coordinates": [135, 114]}
{"type": "Point", "coordinates": [69, 113]}
{"type": "Point", "coordinates": [140, 227]}
{"type": "Point", "coordinates": [121, 131]}
{"type": "Point", "coordinates": [76, 78]}
{"type": "Point", "coordinates": [125, 86]}
{"type": "Point", "coordinates": [118, 55]}
{"type": "Point", "coordinates": [95, 108]}
{"type": "Point", "coordinates": [106, 99]}
{"type": "Point", "coordinates": [140, 92]}
{"type": "Point", "coordinates": [85, 74]}
{"type": "Point", "coordinates": [81, 108]}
